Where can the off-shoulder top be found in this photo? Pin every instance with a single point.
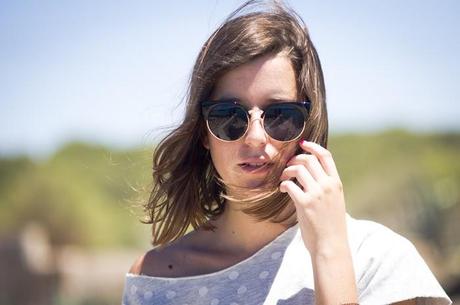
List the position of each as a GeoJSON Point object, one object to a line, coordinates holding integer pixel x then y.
{"type": "Point", "coordinates": [388, 269]}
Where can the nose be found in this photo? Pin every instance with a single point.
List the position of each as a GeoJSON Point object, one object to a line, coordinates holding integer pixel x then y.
{"type": "Point", "coordinates": [255, 135]}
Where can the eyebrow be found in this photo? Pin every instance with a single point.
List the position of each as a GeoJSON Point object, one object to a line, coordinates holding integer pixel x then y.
{"type": "Point", "coordinates": [277, 100]}
{"type": "Point", "coordinates": [269, 100]}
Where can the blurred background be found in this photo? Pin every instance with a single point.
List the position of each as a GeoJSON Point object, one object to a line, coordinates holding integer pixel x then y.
{"type": "Point", "coordinates": [89, 87]}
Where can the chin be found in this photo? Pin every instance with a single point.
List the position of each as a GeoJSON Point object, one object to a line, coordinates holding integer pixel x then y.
{"type": "Point", "coordinates": [253, 184]}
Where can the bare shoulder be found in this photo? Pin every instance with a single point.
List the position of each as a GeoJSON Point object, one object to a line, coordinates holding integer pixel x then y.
{"type": "Point", "coordinates": [180, 258]}
{"type": "Point", "coordinates": [136, 268]}
{"type": "Point", "coordinates": [158, 261]}
{"type": "Point", "coordinates": [148, 263]}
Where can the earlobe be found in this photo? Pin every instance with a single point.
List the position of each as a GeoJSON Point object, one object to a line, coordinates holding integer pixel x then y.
{"type": "Point", "coordinates": [205, 142]}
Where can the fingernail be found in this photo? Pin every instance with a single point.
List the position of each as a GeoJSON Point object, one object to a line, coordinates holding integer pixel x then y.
{"type": "Point", "coordinates": [303, 142]}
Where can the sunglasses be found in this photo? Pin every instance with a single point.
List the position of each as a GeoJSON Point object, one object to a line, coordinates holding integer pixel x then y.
{"type": "Point", "coordinates": [228, 120]}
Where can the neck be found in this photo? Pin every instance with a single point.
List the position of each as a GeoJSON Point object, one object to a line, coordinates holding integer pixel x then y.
{"type": "Point", "coordinates": [237, 232]}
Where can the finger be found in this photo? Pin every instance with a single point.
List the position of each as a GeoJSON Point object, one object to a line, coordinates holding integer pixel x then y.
{"type": "Point", "coordinates": [323, 155]}
{"type": "Point", "coordinates": [293, 190]}
{"type": "Point", "coordinates": [302, 175]}
{"type": "Point", "coordinates": [311, 163]}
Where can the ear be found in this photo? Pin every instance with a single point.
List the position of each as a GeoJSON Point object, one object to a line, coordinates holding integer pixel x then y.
{"type": "Point", "coordinates": [205, 141]}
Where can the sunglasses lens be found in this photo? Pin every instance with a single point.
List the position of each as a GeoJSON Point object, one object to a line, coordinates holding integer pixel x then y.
{"type": "Point", "coordinates": [227, 121]}
{"type": "Point", "coordinates": [284, 122]}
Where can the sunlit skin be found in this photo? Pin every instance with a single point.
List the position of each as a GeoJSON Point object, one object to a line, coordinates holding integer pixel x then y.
{"type": "Point", "coordinates": [256, 84]}
{"type": "Point", "coordinates": [319, 199]}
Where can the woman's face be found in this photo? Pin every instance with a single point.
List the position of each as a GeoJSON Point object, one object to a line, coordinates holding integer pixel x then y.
{"type": "Point", "coordinates": [246, 162]}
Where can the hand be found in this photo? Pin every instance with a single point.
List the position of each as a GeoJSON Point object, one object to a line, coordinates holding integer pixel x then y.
{"type": "Point", "coordinates": [318, 199]}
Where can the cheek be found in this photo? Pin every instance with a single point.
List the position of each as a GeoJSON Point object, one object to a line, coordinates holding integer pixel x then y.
{"type": "Point", "coordinates": [222, 155]}
{"type": "Point", "coordinates": [286, 151]}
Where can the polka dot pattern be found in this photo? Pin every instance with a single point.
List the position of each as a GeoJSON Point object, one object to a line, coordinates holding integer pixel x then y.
{"type": "Point", "coordinates": [170, 294]}
{"type": "Point", "coordinates": [203, 291]}
{"type": "Point", "coordinates": [133, 289]}
{"type": "Point", "coordinates": [215, 302]}
{"type": "Point", "coordinates": [233, 275]}
{"type": "Point", "coordinates": [148, 295]}
{"type": "Point", "coordinates": [242, 289]}
{"type": "Point", "coordinates": [263, 275]}
{"type": "Point", "coordinates": [237, 286]}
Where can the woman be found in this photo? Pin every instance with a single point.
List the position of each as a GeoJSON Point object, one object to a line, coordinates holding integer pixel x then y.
{"type": "Point", "coordinates": [248, 168]}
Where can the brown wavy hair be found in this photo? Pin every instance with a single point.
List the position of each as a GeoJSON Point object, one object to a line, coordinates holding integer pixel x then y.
{"type": "Point", "coordinates": [186, 187]}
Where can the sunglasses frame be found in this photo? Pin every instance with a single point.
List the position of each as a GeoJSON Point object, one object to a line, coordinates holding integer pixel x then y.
{"type": "Point", "coordinates": [207, 105]}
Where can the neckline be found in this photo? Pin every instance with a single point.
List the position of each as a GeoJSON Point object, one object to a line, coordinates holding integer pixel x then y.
{"type": "Point", "coordinates": [219, 272]}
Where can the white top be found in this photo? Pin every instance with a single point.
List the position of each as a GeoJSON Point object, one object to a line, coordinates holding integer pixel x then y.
{"type": "Point", "coordinates": [387, 267]}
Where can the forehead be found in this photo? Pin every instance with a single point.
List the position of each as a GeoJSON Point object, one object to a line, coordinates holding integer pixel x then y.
{"type": "Point", "coordinates": [266, 78]}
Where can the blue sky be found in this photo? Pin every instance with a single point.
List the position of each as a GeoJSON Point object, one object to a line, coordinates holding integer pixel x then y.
{"type": "Point", "coordinates": [115, 72]}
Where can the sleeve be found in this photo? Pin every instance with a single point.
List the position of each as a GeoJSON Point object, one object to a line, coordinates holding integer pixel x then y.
{"type": "Point", "coordinates": [135, 292]}
{"type": "Point", "coordinates": [392, 270]}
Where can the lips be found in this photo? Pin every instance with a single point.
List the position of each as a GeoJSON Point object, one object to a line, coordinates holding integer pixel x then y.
{"type": "Point", "coordinates": [257, 166]}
